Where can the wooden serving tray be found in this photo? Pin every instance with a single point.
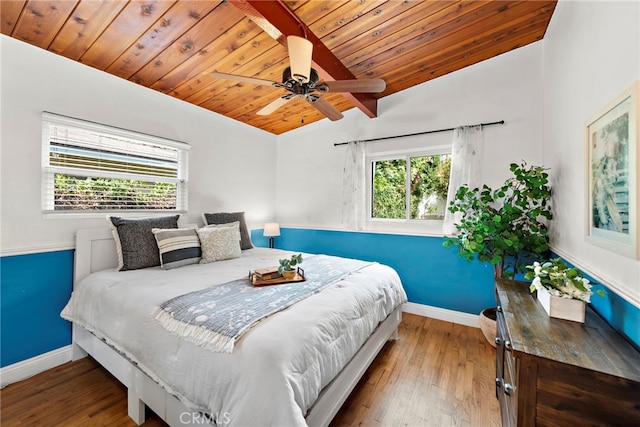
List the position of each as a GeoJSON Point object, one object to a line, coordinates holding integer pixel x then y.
{"type": "Point", "coordinates": [299, 277]}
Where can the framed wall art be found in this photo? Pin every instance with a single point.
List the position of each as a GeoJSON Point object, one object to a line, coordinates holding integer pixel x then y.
{"type": "Point", "coordinates": [612, 174]}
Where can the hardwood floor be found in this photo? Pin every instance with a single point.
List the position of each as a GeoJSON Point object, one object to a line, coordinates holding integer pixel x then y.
{"type": "Point", "coordinates": [437, 374]}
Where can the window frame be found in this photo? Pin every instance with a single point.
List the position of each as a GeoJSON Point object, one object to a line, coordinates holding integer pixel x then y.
{"type": "Point", "coordinates": [406, 225]}
{"type": "Point", "coordinates": [49, 171]}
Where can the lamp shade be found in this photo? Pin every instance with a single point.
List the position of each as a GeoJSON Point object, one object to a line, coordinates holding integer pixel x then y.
{"type": "Point", "coordinates": [271, 229]}
{"type": "Point", "coordinates": [300, 51]}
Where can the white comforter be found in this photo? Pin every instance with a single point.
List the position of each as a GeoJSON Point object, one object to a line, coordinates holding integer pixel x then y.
{"type": "Point", "coordinates": [277, 368]}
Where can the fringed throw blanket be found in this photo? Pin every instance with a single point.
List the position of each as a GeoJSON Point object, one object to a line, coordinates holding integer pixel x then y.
{"type": "Point", "coordinates": [215, 317]}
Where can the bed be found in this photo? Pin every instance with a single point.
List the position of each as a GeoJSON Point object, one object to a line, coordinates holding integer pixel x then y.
{"type": "Point", "coordinates": [295, 367]}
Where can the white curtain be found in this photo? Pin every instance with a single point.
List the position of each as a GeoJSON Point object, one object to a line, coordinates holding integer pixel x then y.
{"type": "Point", "coordinates": [466, 168]}
{"type": "Point", "coordinates": [353, 187]}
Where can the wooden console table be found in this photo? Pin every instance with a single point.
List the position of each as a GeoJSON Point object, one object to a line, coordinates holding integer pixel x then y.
{"type": "Point", "coordinates": [552, 372]}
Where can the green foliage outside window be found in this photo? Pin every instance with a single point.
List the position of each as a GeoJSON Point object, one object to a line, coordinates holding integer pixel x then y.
{"type": "Point", "coordinates": [389, 188]}
{"type": "Point", "coordinates": [429, 180]}
{"type": "Point", "coordinates": [429, 183]}
{"type": "Point", "coordinates": [85, 193]}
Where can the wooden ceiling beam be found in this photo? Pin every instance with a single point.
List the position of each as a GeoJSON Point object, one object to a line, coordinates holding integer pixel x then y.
{"type": "Point", "coordinates": [277, 20]}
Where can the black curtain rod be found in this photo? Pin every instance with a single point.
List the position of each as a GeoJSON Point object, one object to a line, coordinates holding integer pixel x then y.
{"type": "Point", "coordinates": [501, 122]}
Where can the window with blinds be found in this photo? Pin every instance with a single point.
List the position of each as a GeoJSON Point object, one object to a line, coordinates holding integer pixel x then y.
{"type": "Point", "coordinates": [88, 167]}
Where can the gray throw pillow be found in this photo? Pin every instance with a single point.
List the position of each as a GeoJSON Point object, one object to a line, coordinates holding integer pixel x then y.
{"type": "Point", "coordinates": [227, 217]}
{"type": "Point", "coordinates": [136, 241]}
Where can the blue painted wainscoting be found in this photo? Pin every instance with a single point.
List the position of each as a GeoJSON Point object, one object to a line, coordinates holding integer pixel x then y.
{"type": "Point", "coordinates": [431, 274]}
{"type": "Point", "coordinates": [623, 316]}
{"type": "Point", "coordinates": [35, 287]}
{"type": "Point", "coordinates": [34, 290]}
{"type": "Point", "coordinates": [434, 275]}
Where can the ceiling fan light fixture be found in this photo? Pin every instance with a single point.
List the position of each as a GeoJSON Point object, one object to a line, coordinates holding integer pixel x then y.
{"type": "Point", "coordinates": [300, 51]}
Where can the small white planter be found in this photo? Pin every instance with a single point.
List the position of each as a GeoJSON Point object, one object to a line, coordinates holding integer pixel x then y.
{"type": "Point", "coordinates": [561, 308]}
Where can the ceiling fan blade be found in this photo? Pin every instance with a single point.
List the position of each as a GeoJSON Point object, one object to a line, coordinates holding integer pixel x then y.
{"type": "Point", "coordinates": [325, 108]}
{"type": "Point", "coordinates": [274, 105]}
{"type": "Point", "coordinates": [244, 79]}
{"type": "Point", "coordinates": [354, 86]}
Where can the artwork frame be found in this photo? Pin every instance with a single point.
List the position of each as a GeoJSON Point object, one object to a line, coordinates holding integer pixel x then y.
{"type": "Point", "coordinates": [612, 179]}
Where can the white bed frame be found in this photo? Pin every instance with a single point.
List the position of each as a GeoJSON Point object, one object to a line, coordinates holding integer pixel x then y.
{"type": "Point", "coordinates": [95, 251]}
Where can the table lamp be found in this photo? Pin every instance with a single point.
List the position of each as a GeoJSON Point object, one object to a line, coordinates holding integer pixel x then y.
{"type": "Point", "coordinates": [271, 229]}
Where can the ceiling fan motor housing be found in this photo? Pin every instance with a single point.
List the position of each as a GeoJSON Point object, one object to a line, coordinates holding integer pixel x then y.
{"type": "Point", "coordinates": [293, 85]}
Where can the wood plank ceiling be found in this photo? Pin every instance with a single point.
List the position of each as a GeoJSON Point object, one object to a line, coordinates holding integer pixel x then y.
{"type": "Point", "coordinates": [173, 46]}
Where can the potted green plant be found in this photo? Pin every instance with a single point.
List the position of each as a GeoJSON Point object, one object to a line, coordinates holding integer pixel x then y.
{"type": "Point", "coordinates": [287, 265]}
{"type": "Point", "coordinates": [505, 227]}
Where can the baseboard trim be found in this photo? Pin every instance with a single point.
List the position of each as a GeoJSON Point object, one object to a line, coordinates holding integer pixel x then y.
{"type": "Point", "coordinates": [442, 314]}
{"type": "Point", "coordinates": [30, 367]}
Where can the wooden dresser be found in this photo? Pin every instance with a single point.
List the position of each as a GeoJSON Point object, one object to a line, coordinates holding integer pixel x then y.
{"type": "Point", "coordinates": [552, 372]}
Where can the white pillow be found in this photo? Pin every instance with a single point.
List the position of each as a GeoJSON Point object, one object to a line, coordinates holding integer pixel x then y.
{"type": "Point", "coordinates": [219, 243]}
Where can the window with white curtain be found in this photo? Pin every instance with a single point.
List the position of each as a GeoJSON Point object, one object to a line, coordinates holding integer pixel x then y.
{"type": "Point", "coordinates": [89, 167]}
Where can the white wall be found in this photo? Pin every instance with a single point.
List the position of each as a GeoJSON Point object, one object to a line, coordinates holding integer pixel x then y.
{"type": "Point", "coordinates": [507, 87]}
{"type": "Point", "coordinates": [231, 164]}
{"type": "Point", "coordinates": [591, 53]}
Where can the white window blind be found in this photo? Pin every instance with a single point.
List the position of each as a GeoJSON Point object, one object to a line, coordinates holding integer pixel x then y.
{"type": "Point", "coordinates": [89, 167]}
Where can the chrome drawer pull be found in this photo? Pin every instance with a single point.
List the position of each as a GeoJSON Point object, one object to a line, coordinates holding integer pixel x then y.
{"type": "Point", "coordinates": [508, 389]}
{"type": "Point", "coordinates": [507, 344]}
{"type": "Point", "coordinates": [498, 340]}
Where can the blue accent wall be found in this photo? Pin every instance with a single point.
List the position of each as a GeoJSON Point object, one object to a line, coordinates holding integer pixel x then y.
{"type": "Point", "coordinates": [434, 275]}
{"type": "Point", "coordinates": [620, 314]}
{"type": "Point", "coordinates": [258, 239]}
{"type": "Point", "coordinates": [34, 289]}
{"type": "Point", "coordinates": [623, 316]}
{"type": "Point", "coordinates": [431, 274]}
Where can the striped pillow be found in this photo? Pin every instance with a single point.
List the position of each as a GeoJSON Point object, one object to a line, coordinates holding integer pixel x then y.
{"type": "Point", "coordinates": [178, 247]}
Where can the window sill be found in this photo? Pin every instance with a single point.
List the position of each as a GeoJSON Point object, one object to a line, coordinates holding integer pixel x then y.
{"type": "Point", "coordinates": [422, 228]}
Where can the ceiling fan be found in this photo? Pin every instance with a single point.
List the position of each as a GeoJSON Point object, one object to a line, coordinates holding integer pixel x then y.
{"type": "Point", "coordinates": [302, 82]}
